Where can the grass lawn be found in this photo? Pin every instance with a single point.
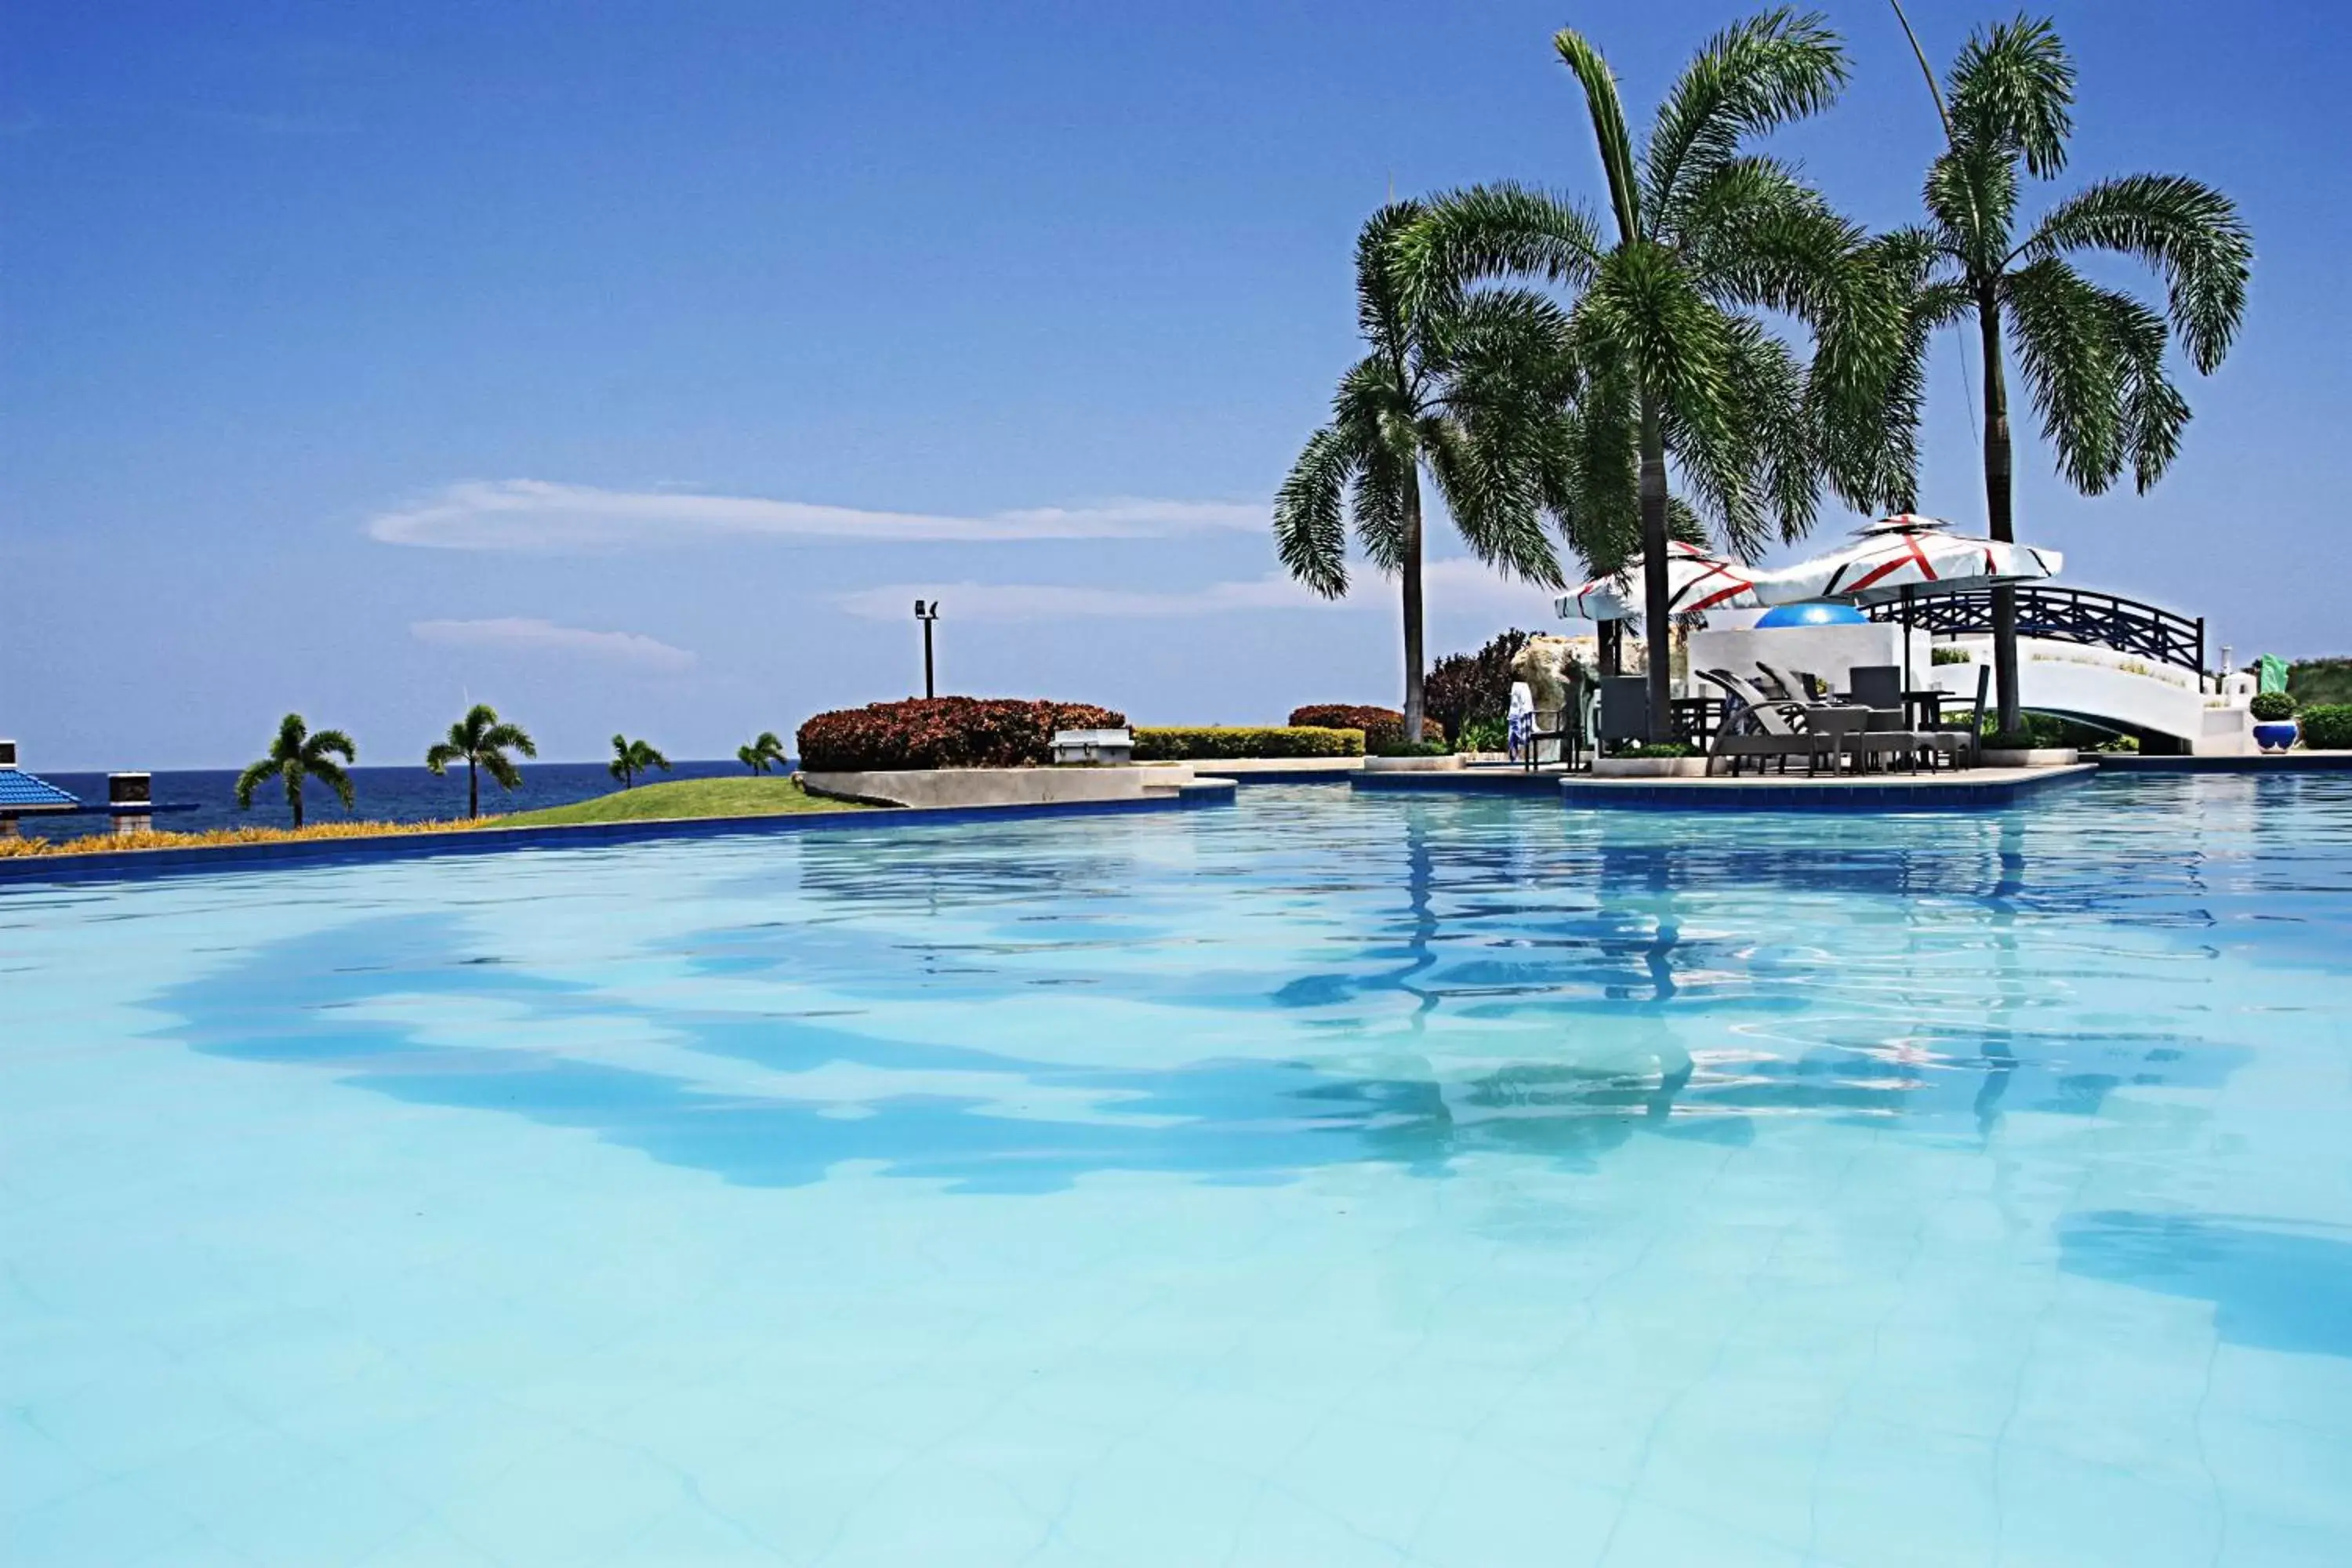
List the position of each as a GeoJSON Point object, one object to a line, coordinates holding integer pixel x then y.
{"type": "Point", "coordinates": [764, 795]}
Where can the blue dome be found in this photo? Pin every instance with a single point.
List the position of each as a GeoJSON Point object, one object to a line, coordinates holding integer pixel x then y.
{"type": "Point", "coordinates": [1820, 613]}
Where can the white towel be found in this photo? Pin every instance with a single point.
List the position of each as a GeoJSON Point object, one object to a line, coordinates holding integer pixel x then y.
{"type": "Point", "coordinates": [1521, 724]}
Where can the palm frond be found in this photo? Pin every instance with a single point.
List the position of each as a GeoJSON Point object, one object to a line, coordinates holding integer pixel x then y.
{"type": "Point", "coordinates": [1310, 532]}
{"type": "Point", "coordinates": [2012, 92]}
{"type": "Point", "coordinates": [2067, 349]}
{"type": "Point", "coordinates": [507, 737]}
{"type": "Point", "coordinates": [2153, 411]}
{"type": "Point", "coordinates": [332, 775]}
{"type": "Point", "coordinates": [329, 743]}
{"type": "Point", "coordinates": [1753, 76]}
{"type": "Point", "coordinates": [1382, 310]}
{"type": "Point", "coordinates": [440, 754]}
{"type": "Point", "coordinates": [1488, 231]}
{"type": "Point", "coordinates": [1971, 198]}
{"type": "Point", "coordinates": [2184, 230]}
{"type": "Point", "coordinates": [1608, 111]}
{"type": "Point", "coordinates": [250, 780]}
{"type": "Point", "coordinates": [1381, 501]}
{"type": "Point", "coordinates": [502, 769]}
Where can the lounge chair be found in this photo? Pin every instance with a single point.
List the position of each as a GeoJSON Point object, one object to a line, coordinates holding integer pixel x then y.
{"type": "Point", "coordinates": [1756, 726]}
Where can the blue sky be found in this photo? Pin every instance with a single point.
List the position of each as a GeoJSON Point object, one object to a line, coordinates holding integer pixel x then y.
{"type": "Point", "coordinates": [635, 366]}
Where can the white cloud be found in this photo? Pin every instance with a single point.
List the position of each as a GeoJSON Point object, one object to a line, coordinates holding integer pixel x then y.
{"type": "Point", "coordinates": [527, 635]}
{"type": "Point", "coordinates": [1449, 586]}
{"type": "Point", "coordinates": [534, 514]}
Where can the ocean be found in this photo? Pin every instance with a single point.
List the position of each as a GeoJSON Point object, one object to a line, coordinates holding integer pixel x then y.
{"type": "Point", "coordinates": [379, 795]}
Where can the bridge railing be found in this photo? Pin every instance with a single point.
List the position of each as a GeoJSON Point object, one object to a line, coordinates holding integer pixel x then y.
{"type": "Point", "coordinates": [2063, 615]}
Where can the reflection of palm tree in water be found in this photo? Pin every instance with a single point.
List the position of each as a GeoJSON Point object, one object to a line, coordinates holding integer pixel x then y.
{"type": "Point", "coordinates": [2009, 991]}
{"type": "Point", "coordinates": [1652, 869]}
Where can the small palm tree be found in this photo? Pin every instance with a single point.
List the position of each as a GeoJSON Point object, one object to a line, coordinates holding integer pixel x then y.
{"type": "Point", "coordinates": [631, 758]}
{"type": "Point", "coordinates": [296, 755]}
{"type": "Point", "coordinates": [481, 740]}
{"type": "Point", "coordinates": [1470, 385]}
{"type": "Point", "coordinates": [2094, 357]}
{"type": "Point", "coordinates": [1671, 323]}
{"type": "Point", "coordinates": [763, 753]}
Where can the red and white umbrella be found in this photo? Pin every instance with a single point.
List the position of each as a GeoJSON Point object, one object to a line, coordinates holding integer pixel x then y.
{"type": "Point", "coordinates": [1905, 551]}
{"type": "Point", "coordinates": [1696, 581]}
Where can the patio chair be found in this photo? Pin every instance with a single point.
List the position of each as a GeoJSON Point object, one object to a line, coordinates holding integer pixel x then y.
{"type": "Point", "coordinates": [1755, 726]}
{"type": "Point", "coordinates": [1875, 685]}
{"type": "Point", "coordinates": [1624, 709]}
{"type": "Point", "coordinates": [1959, 740]}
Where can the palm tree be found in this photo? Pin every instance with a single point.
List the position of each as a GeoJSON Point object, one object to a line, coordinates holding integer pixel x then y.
{"type": "Point", "coordinates": [762, 754]}
{"type": "Point", "coordinates": [1673, 360]}
{"type": "Point", "coordinates": [1469, 385]}
{"type": "Point", "coordinates": [481, 740]}
{"type": "Point", "coordinates": [2094, 358]}
{"type": "Point", "coordinates": [296, 754]}
{"type": "Point", "coordinates": [631, 758]}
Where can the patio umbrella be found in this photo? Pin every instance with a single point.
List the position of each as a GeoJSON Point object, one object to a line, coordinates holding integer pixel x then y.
{"type": "Point", "coordinates": [1919, 553]}
{"type": "Point", "coordinates": [1696, 581]}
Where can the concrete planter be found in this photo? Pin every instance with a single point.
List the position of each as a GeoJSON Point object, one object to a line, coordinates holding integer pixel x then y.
{"type": "Point", "coordinates": [1649, 767]}
{"type": "Point", "coordinates": [1413, 764]}
{"type": "Point", "coordinates": [2040, 757]}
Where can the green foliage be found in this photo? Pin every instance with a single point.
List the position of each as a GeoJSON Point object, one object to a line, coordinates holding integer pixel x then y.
{"type": "Point", "coordinates": [2328, 727]}
{"type": "Point", "coordinates": [1659, 751]}
{"type": "Point", "coordinates": [481, 740]}
{"type": "Point", "coordinates": [631, 758]}
{"type": "Point", "coordinates": [2010, 741]}
{"type": "Point", "coordinates": [297, 753]}
{"type": "Point", "coordinates": [1167, 743]}
{"type": "Point", "coordinates": [944, 732]}
{"type": "Point", "coordinates": [2317, 680]}
{"type": "Point", "coordinates": [1413, 749]}
{"type": "Point", "coordinates": [2270, 707]}
{"type": "Point", "coordinates": [2127, 745]}
{"type": "Point", "coordinates": [1948, 654]}
{"type": "Point", "coordinates": [1380, 726]}
{"type": "Point", "coordinates": [764, 753]}
{"type": "Point", "coordinates": [686, 798]}
{"type": "Point", "coordinates": [1484, 735]}
{"type": "Point", "coordinates": [1468, 688]}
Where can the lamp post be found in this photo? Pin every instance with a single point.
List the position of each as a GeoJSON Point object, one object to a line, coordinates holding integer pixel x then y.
{"type": "Point", "coordinates": [927, 614]}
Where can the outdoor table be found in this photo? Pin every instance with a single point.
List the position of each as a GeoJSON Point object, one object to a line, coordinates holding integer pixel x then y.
{"type": "Point", "coordinates": [1925, 708]}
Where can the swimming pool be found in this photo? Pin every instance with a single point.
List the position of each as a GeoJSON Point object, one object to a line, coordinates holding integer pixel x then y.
{"type": "Point", "coordinates": [1326, 1180]}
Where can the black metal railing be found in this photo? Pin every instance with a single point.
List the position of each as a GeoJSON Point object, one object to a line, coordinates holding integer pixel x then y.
{"type": "Point", "coordinates": [2062, 614]}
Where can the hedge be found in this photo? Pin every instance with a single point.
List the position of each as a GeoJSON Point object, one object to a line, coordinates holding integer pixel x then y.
{"type": "Point", "coordinates": [1213, 742]}
{"type": "Point", "coordinates": [2328, 727]}
{"type": "Point", "coordinates": [1381, 726]}
{"type": "Point", "coordinates": [944, 732]}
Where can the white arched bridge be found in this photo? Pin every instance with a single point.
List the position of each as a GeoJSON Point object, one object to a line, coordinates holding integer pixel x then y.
{"type": "Point", "coordinates": [2108, 661]}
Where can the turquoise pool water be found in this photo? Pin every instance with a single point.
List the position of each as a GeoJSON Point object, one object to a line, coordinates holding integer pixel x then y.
{"type": "Point", "coordinates": [1325, 1180]}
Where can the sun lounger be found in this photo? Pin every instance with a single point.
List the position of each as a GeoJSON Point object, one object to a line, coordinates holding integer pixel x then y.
{"type": "Point", "coordinates": [1757, 727]}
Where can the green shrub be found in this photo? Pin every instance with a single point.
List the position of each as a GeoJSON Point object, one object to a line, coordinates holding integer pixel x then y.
{"type": "Point", "coordinates": [2124, 743]}
{"type": "Point", "coordinates": [943, 733]}
{"type": "Point", "coordinates": [2314, 681]}
{"type": "Point", "coordinates": [1381, 726]}
{"type": "Point", "coordinates": [1213, 742]}
{"type": "Point", "coordinates": [1944, 655]}
{"type": "Point", "coordinates": [2010, 741]}
{"type": "Point", "coordinates": [1660, 751]}
{"type": "Point", "coordinates": [2270, 707]}
{"type": "Point", "coordinates": [2328, 727]}
{"type": "Point", "coordinates": [1484, 735]}
{"type": "Point", "coordinates": [1422, 748]}
{"type": "Point", "coordinates": [1464, 688]}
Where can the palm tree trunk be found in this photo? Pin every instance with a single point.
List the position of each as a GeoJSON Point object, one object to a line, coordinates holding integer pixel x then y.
{"type": "Point", "coordinates": [1413, 649]}
{"type": "Point", "coordinates": [1657, 618]}
{"type": "Point", "coordinates": [294, 798]}
{"type": "Point", "coordinates": [473, 790]}
{"type": "Point", "coordinates": [1997, 506]}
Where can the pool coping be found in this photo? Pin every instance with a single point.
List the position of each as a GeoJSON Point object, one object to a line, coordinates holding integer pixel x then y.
{"type": "Point", "coordinates": [140, 864]}
{"type": "Point", "coordinates": [1926, 792]}
{"type": "Point", "coordinates": [2246, 763]}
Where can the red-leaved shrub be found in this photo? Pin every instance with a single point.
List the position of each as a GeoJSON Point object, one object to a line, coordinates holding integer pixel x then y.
{"type": "Point", "coordinates": [944, 732]}
{"type": "Point", "coordinates": [1382, 727]}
